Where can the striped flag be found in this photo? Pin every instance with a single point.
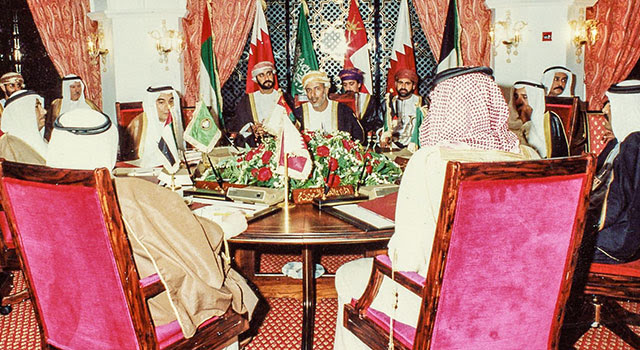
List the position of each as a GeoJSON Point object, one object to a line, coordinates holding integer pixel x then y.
{"type": "Point", "coordinates": [168, 148]}
{"type": "Point", "coordinates": [305, 55]}
{"type": "Point", "coordinates": [402, 56]}
{"type": "Point", "coordinates": [260, 48]}
{"type": "Point", "coordinates": [357, 54]}
{"type": "Point", "coordinates": [209, 79]}
{"type": "Point", "coordinates": [450, 55]}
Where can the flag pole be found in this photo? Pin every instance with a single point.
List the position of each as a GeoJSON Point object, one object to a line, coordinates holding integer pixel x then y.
{"type": "Point", "coordinates": [286, 204]}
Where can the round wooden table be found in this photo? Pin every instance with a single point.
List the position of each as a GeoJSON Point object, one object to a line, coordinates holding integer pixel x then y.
{"type": "Point", "coordinates": [306, 227]}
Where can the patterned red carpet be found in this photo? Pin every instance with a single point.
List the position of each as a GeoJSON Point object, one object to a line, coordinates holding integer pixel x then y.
{"type": "Point", "coordinates": [280, 329]}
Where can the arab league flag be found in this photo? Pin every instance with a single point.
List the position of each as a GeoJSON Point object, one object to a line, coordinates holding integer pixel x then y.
{"type": "Point", "coordinates": [209, 79]}
{"type": "Point", "coordinates": [260, 48]}
{"type": "Point", "coordinates": [168, 148]}
{"type": "Point", "coordinates": [450, 55]}
{"type": "Point", "coordinates": [357, 54]}
{"type": "Point", "coordinates": [202, 131]}
{"type": "Point", "coordinates": [305, 56]}
{"type": "Point", "coordinates": [402, 56]}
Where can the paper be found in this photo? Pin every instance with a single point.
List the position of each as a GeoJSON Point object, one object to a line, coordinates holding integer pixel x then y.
{"type": "Point", "coordinates": [216, 207]}
{"type": "Point", "coordinates": [365, 215]}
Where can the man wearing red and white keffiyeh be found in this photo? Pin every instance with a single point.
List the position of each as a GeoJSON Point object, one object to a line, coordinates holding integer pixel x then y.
{"type": "Point", "coordinates": [467, 121]}
{"type": "Point", "coordinates": [468, 109]}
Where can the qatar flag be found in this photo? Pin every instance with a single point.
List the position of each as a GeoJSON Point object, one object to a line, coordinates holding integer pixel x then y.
{"type": "Point", "coordinates": [402, 55]}
{"type": "Point", "coordinates": [260, 48]}
{"type": "Point", "coordinates": [357, 54]}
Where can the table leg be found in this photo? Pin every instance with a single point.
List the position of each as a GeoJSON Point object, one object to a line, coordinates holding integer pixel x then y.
{"type": "Point", "coordinates": [245, 260]}
{"type": "Point", "coordinates": [308, 297]}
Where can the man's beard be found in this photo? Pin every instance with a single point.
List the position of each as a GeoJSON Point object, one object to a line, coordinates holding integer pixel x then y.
{"type": "Point", "coordinates": [404, 93]}
{"type": "Point", "coordinates": [266, 85]}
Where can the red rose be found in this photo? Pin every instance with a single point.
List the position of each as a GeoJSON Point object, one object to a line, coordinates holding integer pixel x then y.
{"type": "Point", "coordinates": [248, 156]}
{"type": "Point", "coordinates": [358, 156]}
{"type": "Point", "coordinates": [306, 138]}
{"type": "Point", "coordinates": [266, 157]}
{"type": "Point", "coordinates": [264, 174]}
{"type": "Point", "coordinates": [369, 169]}
{"type": "Point", "coordinates": [336, 181]}
{"type": "Point", "coordinates": [323, 151]}
{"type": "Point", "coordinates": [240, 160]}
{"type": "Point", "coordinates": [368, 155]}
{"type": "Point", "coordinates": [328, 136]}
{"type": "Point", "coordinates": [333, 164]}
{"type": "Point", "coordinates": [254, 172]}
{"type": "Point", "coordinates": [347, 145]}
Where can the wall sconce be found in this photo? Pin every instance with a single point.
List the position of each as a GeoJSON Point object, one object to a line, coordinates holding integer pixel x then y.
{"type": "Point", "coordinates": [509, 35]}
{"type": "Point", "coordinates": [95, 50]}
{"type": "Point", "coordinates": [16, 49]}
{"type": "Point", "coordinates": [583, 32]}
{"type": "Point", "coordinates": [167, 40]}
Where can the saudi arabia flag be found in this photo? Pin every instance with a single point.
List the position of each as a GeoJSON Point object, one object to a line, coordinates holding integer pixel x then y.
{"type": "Point", "coordinates": [306, 58]}
{"type": "Point", "coordinates": [209, 79]}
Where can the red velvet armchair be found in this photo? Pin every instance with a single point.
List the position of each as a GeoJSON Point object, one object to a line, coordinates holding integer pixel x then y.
{"type": "Point", "coordinates": [502, 261]}
{"type": "Point", "coordinates": [77, 261]}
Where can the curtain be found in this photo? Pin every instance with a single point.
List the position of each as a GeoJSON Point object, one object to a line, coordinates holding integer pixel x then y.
{"type": "Point", "coordinates": [64, 26]}
{"type": "Point", "coordinates": [613, 56]}
{"type": "Point", "coordinates": [231, 22]}
{"type": "Point", "coordinates": [475, 21]}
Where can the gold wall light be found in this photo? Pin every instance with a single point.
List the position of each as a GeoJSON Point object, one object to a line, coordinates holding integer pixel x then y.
{"type": "Point", "coordinates": [167, 41]}
{"type": "Point", "coordinates": [507, 33]}
{"type": "Point", "coordinates": [583, 32]}
{"type": "Point", "coordinates": [95, 43]}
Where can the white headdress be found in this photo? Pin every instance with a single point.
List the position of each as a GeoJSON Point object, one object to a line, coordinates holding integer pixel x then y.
{"type": "Point", "coordinates": [83, 139]}
{"type": "Point", "coordinates": [150, 155]}
{"type": "Point", "coordinates": [535, 97]}
{"type": "Point", "coordinates": [67, 103]}
{"type": "Point", "coordinates": [19, 119]}
{"type": "Point", "coordinates": [547, 79]}
{"type": "Point", "coordinates": [625, 108]}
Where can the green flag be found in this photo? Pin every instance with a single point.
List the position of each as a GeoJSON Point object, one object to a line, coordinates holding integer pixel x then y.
{"type": "Point", "coordinates": [415, 135]}
{"type": "Point", "coordinates": [202, 131]}
{"type": "Point", "coordinates": [209, 79]}
{"type": "Point", "coordinates": [305, 56]}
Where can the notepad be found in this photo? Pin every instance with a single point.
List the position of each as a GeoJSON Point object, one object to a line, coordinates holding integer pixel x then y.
{"type": "Point", "coordinates": [365, 215]}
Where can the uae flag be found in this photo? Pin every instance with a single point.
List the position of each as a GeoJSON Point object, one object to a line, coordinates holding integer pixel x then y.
{"type": "Point", "coordinates": [402, 56]}
{"type": "Point", "coordinates": [357, 49]}
{"type": "Point", "coordinates": [209, 80]}
{"type": "Point", "coordinates": [260, 47]}
{"type": "Point", "coordinates": [202, 131]}
{"type": "Point", "coordinates": [305, 55]}
{"type": "Point", "coordinates": [450, 55]}
{"type": "Point", "coordinates": [168, 148]}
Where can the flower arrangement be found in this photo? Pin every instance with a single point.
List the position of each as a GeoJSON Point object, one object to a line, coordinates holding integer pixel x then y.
{"type": "Point", "coordinates": [337, 161]}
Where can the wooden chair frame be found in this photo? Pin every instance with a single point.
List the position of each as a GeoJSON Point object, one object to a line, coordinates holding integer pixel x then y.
{"type": "Point", "coordinates": [136, 291]}
{"type": "Point", "coordinates": [355, 317]}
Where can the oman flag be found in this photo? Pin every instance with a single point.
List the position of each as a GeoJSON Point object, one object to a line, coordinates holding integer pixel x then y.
{"type": "Point", "coordinates": [260, 47]}
{"type": "Point", "coordinates": [402, 55]}
{"type": "Point", "coordinates": [210, 86]}
{"type": "Point", "coordinates": [357, 49]}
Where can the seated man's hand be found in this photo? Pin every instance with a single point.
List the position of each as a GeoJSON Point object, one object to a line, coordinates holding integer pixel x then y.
{"type": "Point", "coordinates": [258, 130]}
{"type": "Point", "coordinates": [385, 140]}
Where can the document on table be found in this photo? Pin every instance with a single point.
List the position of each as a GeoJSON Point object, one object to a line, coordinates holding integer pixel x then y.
{"type": "Point", "coordinates": [376, 220]}
{"type": "Point", "coordinates": [214, 207]}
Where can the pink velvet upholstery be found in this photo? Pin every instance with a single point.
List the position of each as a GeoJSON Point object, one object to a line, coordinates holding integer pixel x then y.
{"type": "Point", "coordinates": [402, 331]}
{"type": "Point", "coordinates": [506, 260]}
{"type": "Point", "coordinates": [6, 232]}
{"type": "Point", "coordinates": [413, 276]}
{"type": "Point", "coordinates": [53, 220]}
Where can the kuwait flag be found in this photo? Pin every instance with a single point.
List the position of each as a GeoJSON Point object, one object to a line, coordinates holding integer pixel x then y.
{"type": "Point", "coordinates": [209, 79]}
{"type": "Point", "coordinates": [357, 49]}
{"type": "Point", "coordinates": [402, 55]}
{"type": "Point", "coordinates": [260, 47]}
{"type": "Point", "coordinates": [450, 55]}
{"type": "Point", "coordinates": [305, 55]}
